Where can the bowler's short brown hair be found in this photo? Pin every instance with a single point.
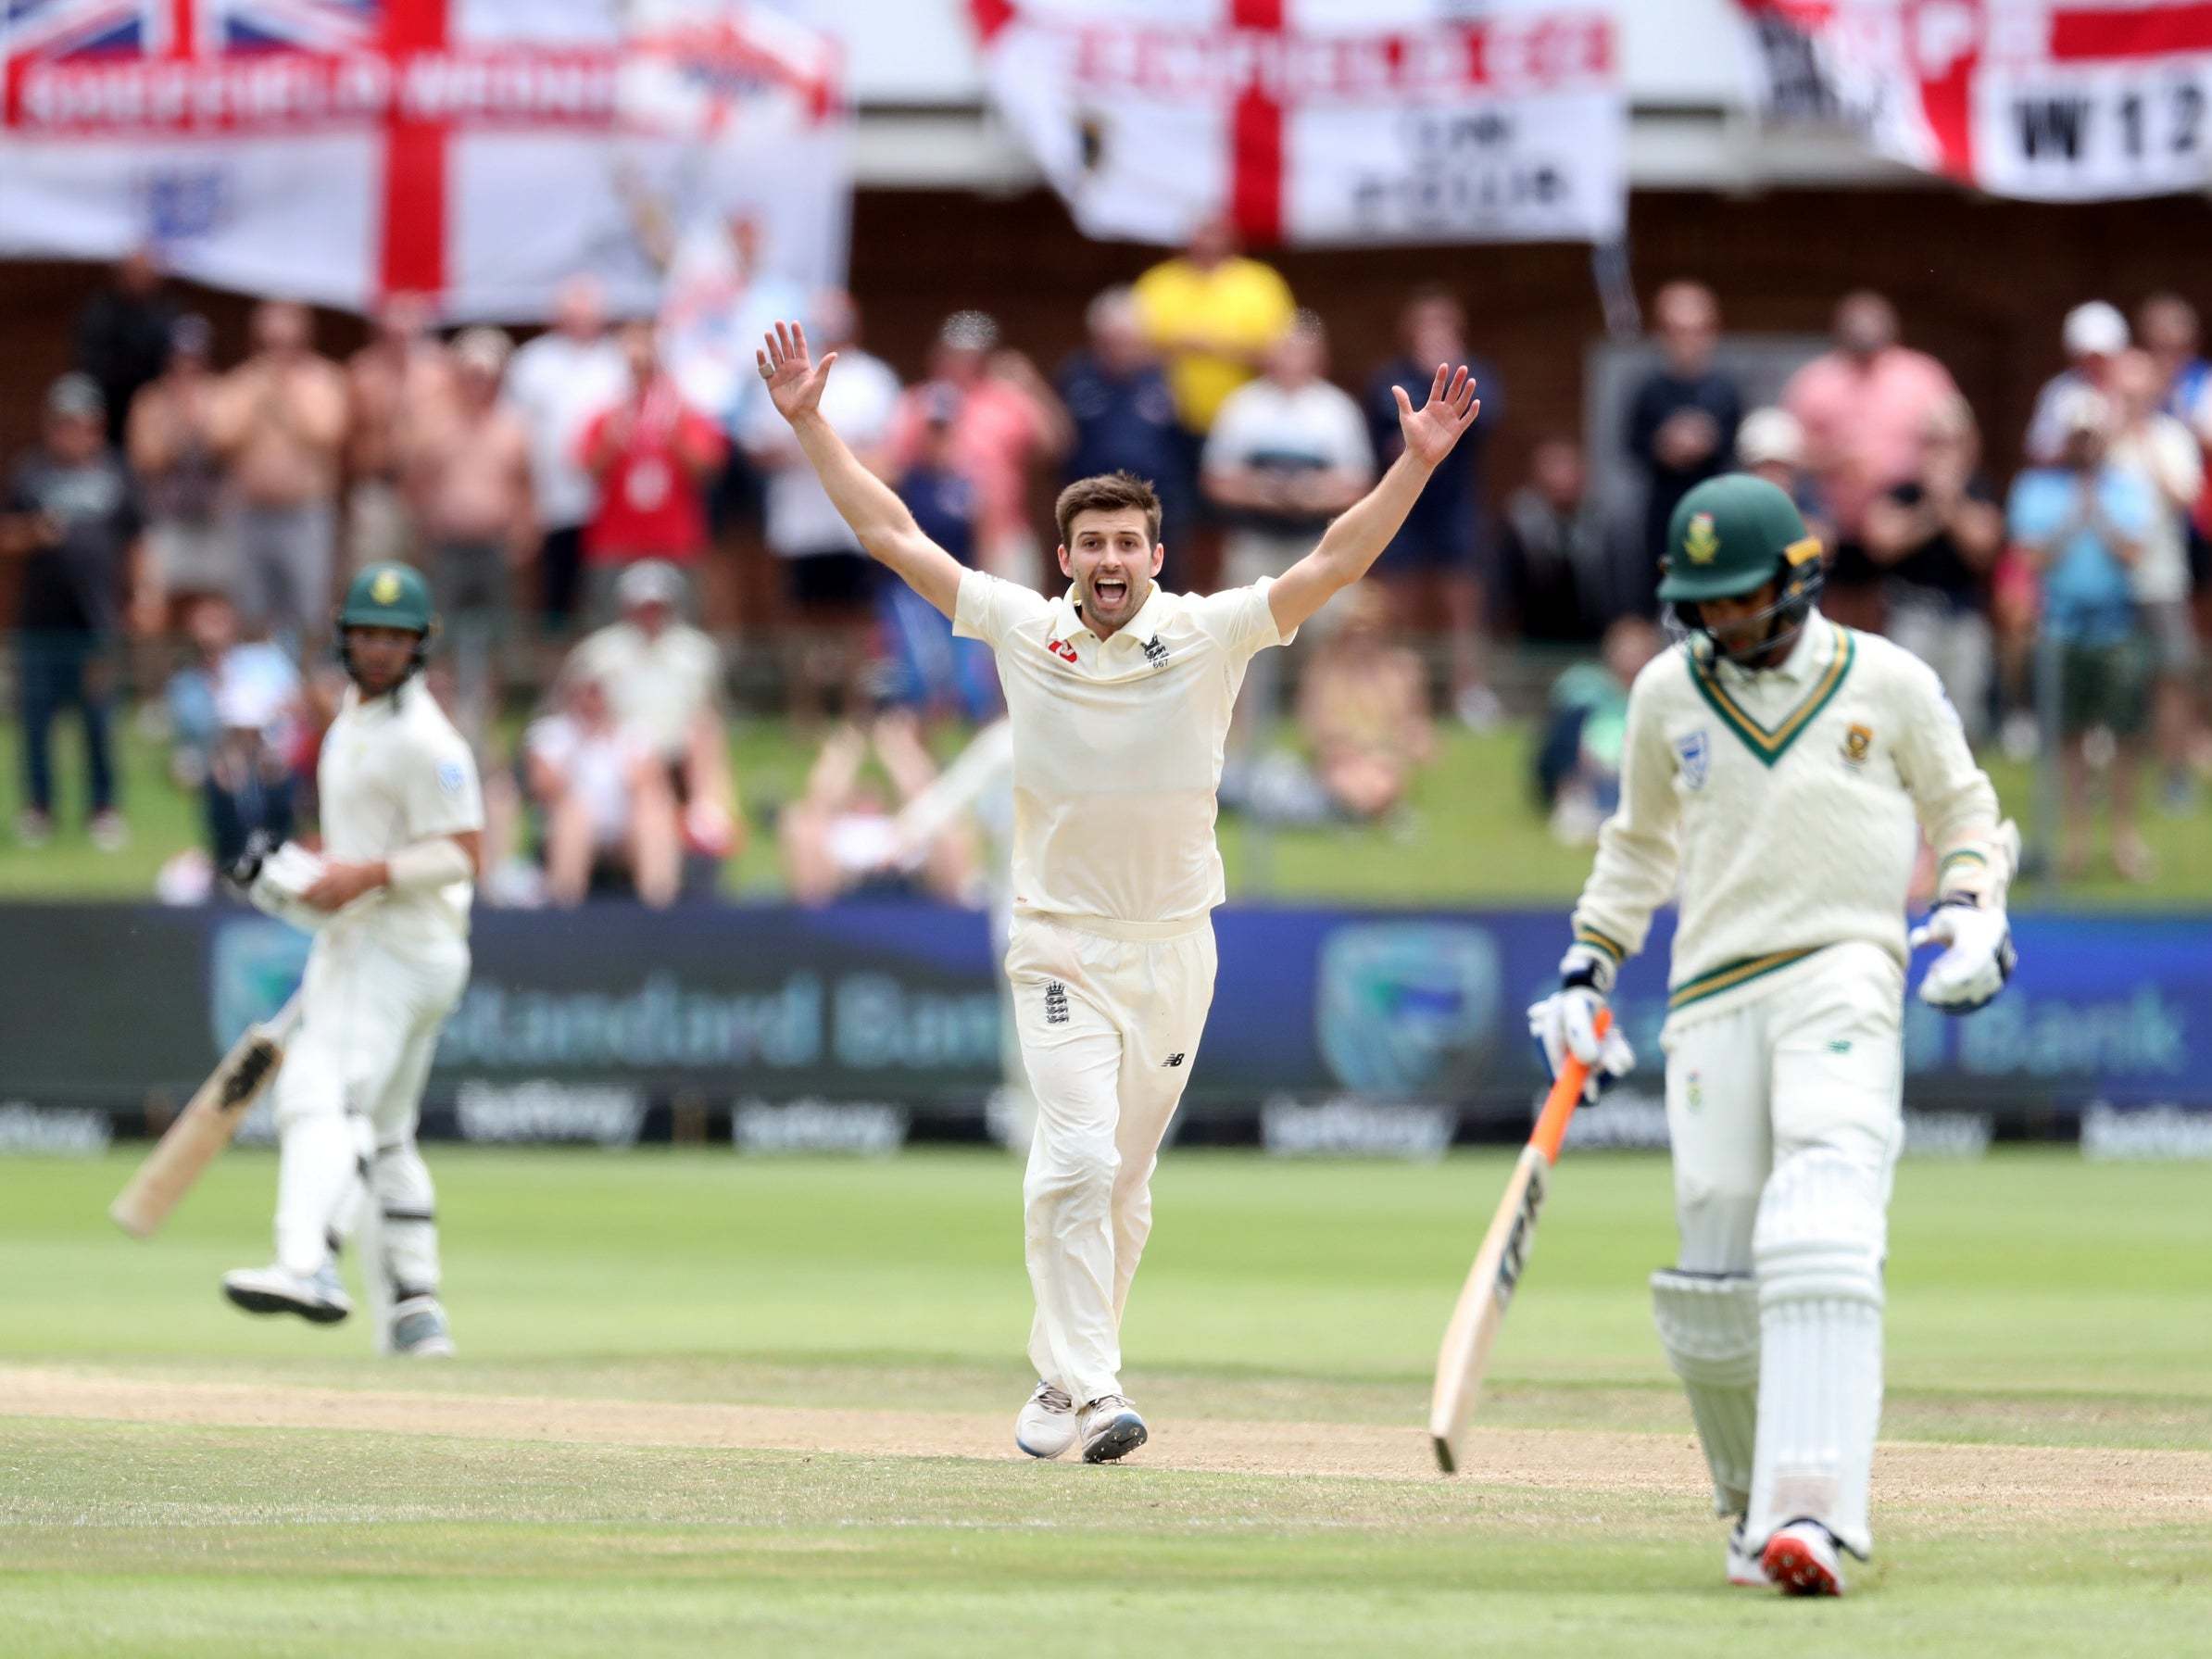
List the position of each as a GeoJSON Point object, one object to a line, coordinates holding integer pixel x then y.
{"type": "Point", "coordinates": [1108, 492]}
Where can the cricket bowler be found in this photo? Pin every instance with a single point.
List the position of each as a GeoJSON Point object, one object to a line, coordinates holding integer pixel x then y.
{"type": "Point", "coordinates": [402, 820]}
{"type": "Point", "coordinates": [1119, 694]}
{"type": "Point", "coordinates": [1776, 767]}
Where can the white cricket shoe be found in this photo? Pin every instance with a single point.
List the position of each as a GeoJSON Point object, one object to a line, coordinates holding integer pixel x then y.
{"type": "Point", "coordinates": [419, 1329]}
{"type": "Point", "coordinates": [1802, 1559]}
{"type": "Point", "coordinates": [1045, 1426]}
{"type": "Point", "coordinates": [1745, 1570]}
{"type": "Point", "coordinates": [318, 1298]}
{"type": "Point", "coordinates": [1111, 1428]}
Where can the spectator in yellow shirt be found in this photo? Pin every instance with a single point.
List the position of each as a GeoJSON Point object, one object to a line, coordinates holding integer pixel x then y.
{"type": "Point", "coordinates": [1212, 313]}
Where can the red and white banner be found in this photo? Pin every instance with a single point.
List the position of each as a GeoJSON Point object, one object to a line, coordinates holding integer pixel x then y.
{"type": "Point", "coordinates": [1321, 121]}
{"type": "Point", "coordinates": [2048, 100]}
{"type": "Point", "coordinates": [477, 151]}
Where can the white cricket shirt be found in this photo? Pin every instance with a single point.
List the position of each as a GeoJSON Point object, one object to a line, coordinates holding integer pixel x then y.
{"type": "Point", "coordinates": [1783, 806]}
{"type": "Point", "coordinates": [657, 683]}
{"type": "Point", "coordinates": [393, 772]}
{"type": "Point", "coordinates": [1117, 747]}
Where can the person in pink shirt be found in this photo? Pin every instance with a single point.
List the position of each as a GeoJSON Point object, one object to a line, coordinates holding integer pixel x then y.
{"type": "Point", "coordinates": [1010, 422]}
{"type": "Point", "coordinates": [1862, 406]}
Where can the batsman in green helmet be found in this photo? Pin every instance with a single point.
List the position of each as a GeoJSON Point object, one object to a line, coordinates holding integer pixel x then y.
{"type": "Point", "coordinates": [388, 896]}
{"type": "Point", "coordinates": [1778, 773]}
{"type": "Point", "coordinates": [384, 627]}
{"type": "Point", "coordinates": [1740, 572]}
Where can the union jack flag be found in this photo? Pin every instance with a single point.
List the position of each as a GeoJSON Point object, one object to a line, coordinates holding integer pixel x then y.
{"type": "Point", "coordinates": [63, 30]}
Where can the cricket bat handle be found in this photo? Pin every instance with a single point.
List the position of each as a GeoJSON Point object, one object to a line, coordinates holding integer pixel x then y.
{"type": "Point", "coordinates": [1566, 1094]}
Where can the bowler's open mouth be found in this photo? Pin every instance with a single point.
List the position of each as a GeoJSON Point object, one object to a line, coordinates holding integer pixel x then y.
{"type": "Point", "coordinates": [1110, 591]}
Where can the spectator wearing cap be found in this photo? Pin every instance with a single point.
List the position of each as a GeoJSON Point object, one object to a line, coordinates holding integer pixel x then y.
{"type": "Point", "coordinates": [2095, 333]}
{"type": "Point", "coordinates": [1010, 423]}
{"type": "Point", "coordinates": [1682, 417]}
{"type": "Point", "coordinates": [399, 378]}
{"type": "Point", "coordinates": [466, 464]}
{"type": "Point", "coordinates": [558, 383]}
{"type": "Point", "coordinates": [931, 670]}
{"type": "Point", "coordinates": [70, 516]}
{"type": "Point", "coordinates": [2162, 452]}
{"type": "Point", "coordinates": [1938, 535]}
{"type": "Point", "coordinates": [1862, 406]}
{"type": "Point", "coordinates": [1432, 568]}
{"type": "Point", "coordinates": [280, 423]}
{"type": "Point", "coordinates": [651, 457]}
{"type": "Point", "coordinates": [172, 454]}
{"type": "Point", "coordinates": [123, 336]}
{"type": "Point", "coordinates": [1213, 314]}
{"type": "Point", "coordinates": [2081, 522]}
{"type": "Point", "coordinates": [1771, 445]}
{"type": "Point", "coordinates": [829, 583]}
{"type": "Point", "coordinates": [663, 679]}
{"type": "Point", "coordinates": [1123, 414]}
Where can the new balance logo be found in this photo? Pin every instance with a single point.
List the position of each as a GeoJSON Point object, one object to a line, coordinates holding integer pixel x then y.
{"type": "Point", "coordinates": [1056, 1003]}
{"type": "Point", "coordinates": [1154, 652]}
{"type": "Point", "coordinates": [1170, 1062]}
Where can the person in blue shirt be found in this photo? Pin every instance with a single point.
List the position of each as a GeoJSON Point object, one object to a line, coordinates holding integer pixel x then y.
{"type": "Point", "coordinates": [2081, 523]}
{"type": "Point", "coordinates": [1124, 412]}
{"type": "Point", "coordinates": [931, 670]}
{"type": "Point", "coordinates": [1435, 566]}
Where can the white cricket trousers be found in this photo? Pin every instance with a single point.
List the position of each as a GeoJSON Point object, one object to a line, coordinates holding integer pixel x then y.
{"type": "Point", "coordinates": [349, 1096]}
{"type": "Point", "coordinates": [1109, 1029]}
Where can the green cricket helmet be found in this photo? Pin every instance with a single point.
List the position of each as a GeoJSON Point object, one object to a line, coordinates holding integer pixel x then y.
{"type": "Point", "coordinates": [1730, 536]}
{"type": "Point", "coordinates": [387, 595]}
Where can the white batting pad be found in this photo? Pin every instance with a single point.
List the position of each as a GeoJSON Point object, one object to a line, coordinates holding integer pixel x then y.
{"type": "Point", "coordinates": [1709, 1326]}
{"type": "Point", "coordinates": [1818, 1249]}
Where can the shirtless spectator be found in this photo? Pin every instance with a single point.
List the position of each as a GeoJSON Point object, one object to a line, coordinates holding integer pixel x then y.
{"type": "Point", "coordinates": [280, 421]}
{"type": "Point", "coordinates": [181, 477]}
{"type": "Point", "coordinates": [392, 383]}
{"type": "Point", "coordinates": [465, 459]}
{"type": "Point", "coordinates": [558, 383]}
{"type": "Point", "coordinates": [609, 814]}
{"type": "Point", "coordinates": [663, 678]}
{"type": "Point", "coordinates": [840, 839]}
{"type": "Point", "coordinates": [1363, 706]}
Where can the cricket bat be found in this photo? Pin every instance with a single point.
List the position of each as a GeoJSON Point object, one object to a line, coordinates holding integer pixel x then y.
{"type": "Point", "coordinates": [204, 1127]}
{"type": "Point", "coordinates": [1465, 1355]}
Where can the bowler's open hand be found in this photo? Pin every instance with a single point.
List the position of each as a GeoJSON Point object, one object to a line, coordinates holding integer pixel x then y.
{"type": "Point", "coordinates": [1431, 430]}
{"type": "Point", "coordinates": [795, 380]}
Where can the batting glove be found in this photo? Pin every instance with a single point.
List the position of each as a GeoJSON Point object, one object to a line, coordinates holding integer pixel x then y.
{"type": "Point", "coordinates": [1976, 961]}
{"type": "Point", "coordinates": [1565, 1022]}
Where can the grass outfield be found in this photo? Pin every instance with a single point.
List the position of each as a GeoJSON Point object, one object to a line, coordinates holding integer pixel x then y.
{"type": "Point", "coordinates": [1471, 837]}
{"type": "Point", "coordinates": [708, 1404]}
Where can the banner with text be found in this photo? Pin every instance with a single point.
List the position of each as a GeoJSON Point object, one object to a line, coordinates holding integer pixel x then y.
{"type": "Point", "coordinates": [475, 151]}
{"type": "Point", "coordinates": [2047, 100]}
{"type": "Point", "coordinates": [594, 1016]}
{"type": "Point", "coordinates": [1318, 121]}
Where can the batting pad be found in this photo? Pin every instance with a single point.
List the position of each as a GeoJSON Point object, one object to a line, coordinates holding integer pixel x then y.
{"type": "Point", "coordinates": [1709, 1326]}
{"type": "Point", "coordinates": [1817, 1248]}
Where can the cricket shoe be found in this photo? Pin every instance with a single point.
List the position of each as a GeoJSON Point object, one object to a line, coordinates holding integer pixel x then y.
{"type": "Point", "coordinates": [1802, 1559]}
{"type": "Point", "coordinates": [1045, 1426]}
{"type": "Point", "coordinates": [318, 1298]}
{"type": "Point", "coordinates": [1111, 1428]}
{"type": "Point", "coordinates": [419, 1329]}
{"type": "Point", "coordinates": [1745, 1570]}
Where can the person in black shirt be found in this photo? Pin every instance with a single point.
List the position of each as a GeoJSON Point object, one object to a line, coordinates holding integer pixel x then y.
{"type": "Point", "coordinates": [68, 514]}
{"type": "Point", "coordinates": [123, 336]}
{"type": "Point", "coordinates": [1434, 566]}
{"type": "Point", "coordinates": [1124, 412]}
{"type": "Point", "coordinates": [1683, 417]}
{"type": "Point", "coordinates": [1936, 534]}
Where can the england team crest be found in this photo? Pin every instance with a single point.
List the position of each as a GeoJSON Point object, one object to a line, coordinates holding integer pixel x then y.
{"type": "Point", "coordinates": [1693, 756]}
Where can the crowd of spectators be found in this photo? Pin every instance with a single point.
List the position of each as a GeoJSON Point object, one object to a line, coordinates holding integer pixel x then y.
{"type": "Point", "coordinates": [186, 520]}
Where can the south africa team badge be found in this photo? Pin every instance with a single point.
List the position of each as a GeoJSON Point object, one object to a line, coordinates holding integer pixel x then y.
{"type": "Point", "coordinates": [1694, 754]}
{"type": "Point", "coordinates": [1857, 740]}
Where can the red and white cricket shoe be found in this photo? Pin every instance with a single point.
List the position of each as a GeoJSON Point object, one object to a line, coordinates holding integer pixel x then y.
{"type": "Point", "coordinates": [1804, 1560]}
